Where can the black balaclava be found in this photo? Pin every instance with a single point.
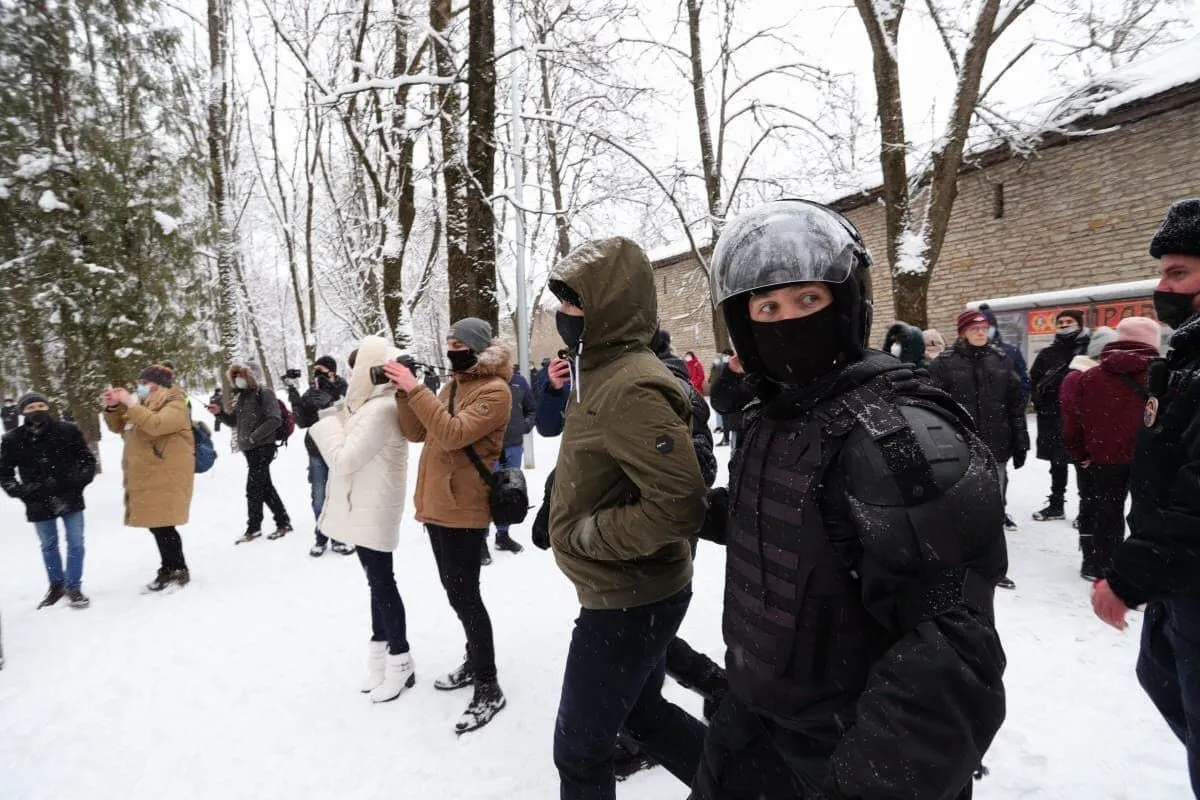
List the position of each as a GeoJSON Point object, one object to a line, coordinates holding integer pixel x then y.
{"type": "Point", "coordinates": [798, 351]}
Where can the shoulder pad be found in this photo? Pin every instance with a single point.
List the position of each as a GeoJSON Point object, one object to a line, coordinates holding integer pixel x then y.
{"type": "Point", "coordinates": [943, 445]}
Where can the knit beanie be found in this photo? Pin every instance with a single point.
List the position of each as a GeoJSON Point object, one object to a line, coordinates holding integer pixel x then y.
{"type": "Point", "coordinates": [473, 332]}
{"type": "Point", "coordinates": [1073, 313]}
{"type": "Point", "coordinates": [968, 318]}
{"type": "Point", "coordinates": [328, 362]}
{"type": "Point", "coordinates": [1179, 233]}
{"type": "Point", "coordinates": [1101, 336]}
{"type": "Point", "coordinates": [157, 373]}
{"type": "Point", "coordinates": [1140, 329]}
{"type": "Point", "coordinates": [28, 399]}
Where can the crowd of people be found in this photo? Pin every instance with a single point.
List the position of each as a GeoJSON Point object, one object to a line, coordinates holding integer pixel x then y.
{"type": "Point", "coordinates": [863, 522]}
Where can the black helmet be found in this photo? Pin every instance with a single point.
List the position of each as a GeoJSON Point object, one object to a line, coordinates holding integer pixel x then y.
{"type": "Point", "coordinates": [792, 241]}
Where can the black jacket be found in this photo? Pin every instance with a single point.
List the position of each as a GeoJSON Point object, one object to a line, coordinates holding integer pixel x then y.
{"type": "Point", "coordinates": [730, 393]}
{"type": "Point", "coordinates": [1161, 557]}
{"type": "Point", "coordinates": [984, 381]}
{"type": "Point", "coordinates": [1045, 377]}
{"type": "Point", "coordinates": [911, 340]}
{"type": "Point", "coordinates": [520, 419]}
{"type": "Point", "coordinates": [864, 527]}
{"type": "Point", "coordinates": [306, 408]}
{"type": "Point", "coordinates": [702, 438]}
{"type": "Point", "coordinates": [255, 417]}
{"type": "Point", "coordinates": [47, 470]}
{"type": "Point", "coordinates": [10, 416]}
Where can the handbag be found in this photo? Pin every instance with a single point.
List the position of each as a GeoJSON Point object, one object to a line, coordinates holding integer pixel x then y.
{"type": "Point", "coordinates": [508, 494]}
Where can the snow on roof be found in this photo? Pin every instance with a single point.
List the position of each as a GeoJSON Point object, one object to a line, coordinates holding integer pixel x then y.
{"type": "Point", "coordinates": [1066, 297]}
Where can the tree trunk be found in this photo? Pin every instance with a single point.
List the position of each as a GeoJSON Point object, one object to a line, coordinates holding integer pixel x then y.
{"type": "Point", "coordinates": [708, 158]}
{"type": "Point", "coordinates": [217, 114]}
{"type": "Point", "coordinates": [561, 223]}
{"type": "Point", "coordinates": [406, 210]}
{"type": "Point", "coordinates": [481, 300]}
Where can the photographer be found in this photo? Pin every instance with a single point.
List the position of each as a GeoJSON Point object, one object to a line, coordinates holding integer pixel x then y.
{"type": "Point", "coordinates": [468, 418]}
{"type": "Point", "coordinates": [326, 389]}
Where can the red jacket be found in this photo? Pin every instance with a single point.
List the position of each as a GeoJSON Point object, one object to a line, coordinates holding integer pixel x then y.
{"type": "Point", "coordinates": [696, 373]}
{"type": "Point", "coordinates": [1102, 414]}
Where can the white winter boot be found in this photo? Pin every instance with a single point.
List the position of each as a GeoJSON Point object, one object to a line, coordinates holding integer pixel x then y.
{"type": "Point", "coordinates": [398, 675]}
{"type": "Point", "coordinates": [376, 661]}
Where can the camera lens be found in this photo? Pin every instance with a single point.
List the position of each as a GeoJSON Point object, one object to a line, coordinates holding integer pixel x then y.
{"type": "Point", "coordinates": [378, 376]}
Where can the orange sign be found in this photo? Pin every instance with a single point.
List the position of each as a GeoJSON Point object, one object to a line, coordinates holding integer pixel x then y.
{"type": "Point", "coordinates": [1041, 320]}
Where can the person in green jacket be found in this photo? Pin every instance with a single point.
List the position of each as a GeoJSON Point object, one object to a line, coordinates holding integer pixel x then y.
{"type": "Point", "coordinates": [628, 496]}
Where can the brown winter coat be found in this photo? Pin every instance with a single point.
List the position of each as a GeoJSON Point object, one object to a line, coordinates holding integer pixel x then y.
{"type": "Point", "coordinates": [159, 461]}
{"type": "Point", "coordinates": [450, 491]}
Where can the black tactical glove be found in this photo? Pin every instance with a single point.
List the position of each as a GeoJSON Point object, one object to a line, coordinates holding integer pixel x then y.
{"type": "Point", "coordinates": [716, 519]}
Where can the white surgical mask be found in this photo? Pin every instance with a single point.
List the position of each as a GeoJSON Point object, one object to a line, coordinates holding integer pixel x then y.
{"type": "Point", "coordinates": [240, 383]}
{"type": "Point", "coordinates": [991, 332]}
{"type": "Point", "coordinates": [142, 391]}
{"type": "Point", "coordinates": [895, 349]}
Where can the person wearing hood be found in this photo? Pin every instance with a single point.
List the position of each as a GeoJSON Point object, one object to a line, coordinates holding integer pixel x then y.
{"type": "Point", "coordinates": [10, 414]}
{"type": "Point", "coordinates": [326, 389]}
{"type": "Point", "coordinates": [463, 430]}
{"type": "Point", "coordinates": [1102, 403]}
{"type": "Point", "coordinates": [367, 454]}
{"type": "Point", "coordinates": [255, 419]}
{"type": "Point", "coordinates": [1011, 350]}
{"type": "Point", "coordinates": [628, 496]}
{"type": "Point", "coordinates": [981, 378]}
{"type": "Point", "coordinates": [1159, 564]}
{"type": "Point", "coordinates": [907, 343]}
{"type": "Point", "coordinates": [46, 464]}
{"type": "Point", "coordinates": [159, 465]}
{"type": "Point", "coordinates": [935, 343]}
{"type": "Point", "coordinates": [1046, 376]}
{"type": "Point", "coordinates": [864, 532]}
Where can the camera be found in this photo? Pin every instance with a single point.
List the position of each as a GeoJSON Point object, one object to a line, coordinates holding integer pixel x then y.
{"type": "Point", "coordinates": [379, 377]}
{"type": "Point", "coordinates": [292, 374]}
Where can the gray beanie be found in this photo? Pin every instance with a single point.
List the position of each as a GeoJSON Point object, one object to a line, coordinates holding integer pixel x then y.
{"type": "Point", "coordinates": [29, 398]}
{"type": "Point", "coordinates": [473, 332]}
{"type": "Point", "coordinates": [1101, 337]}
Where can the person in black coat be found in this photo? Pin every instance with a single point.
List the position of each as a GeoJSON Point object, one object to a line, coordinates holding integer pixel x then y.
{"type": "Point", "coordinates": [907, 343]}
{"type": "Point", "coordinates": [1046, 376]}
{"type": "Point", "coordinates": [1159, 564]}
{"type": "Point", "coordinates": [46, 464]}
{"type": "Point", "coordinates": [327, 388]}
{"type": "Point", "coordinates": [983, 380]}
{"type": "Point", "coordinates": [864, 532]}
{"type": "Point", "coordinates": [1011, 350]}
{"type": "Point", "coordinates": [730, 392]}
{"type": "Point", "coordinates": [9, 414]}
{"type": "Point", "coordinates": [520, 422]}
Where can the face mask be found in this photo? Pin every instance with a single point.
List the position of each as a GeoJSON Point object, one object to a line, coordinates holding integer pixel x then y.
{"type": "Point", "coordinates": [240, 383]}
{"type": "Point", "coordinates": [461, 360]}
{"type": "Point", "coordinates": [38, 419]}
{"type": "Point", "coordinates": [570, 329]}
{"type": "Point", "coordinates": [798, 350]}
{"type": "Point", "coordinates": [1174, 308]}
{"type": "Point", "coordinates": [895, 349]}
{"type": "Point", "coordinates": [142, 391]}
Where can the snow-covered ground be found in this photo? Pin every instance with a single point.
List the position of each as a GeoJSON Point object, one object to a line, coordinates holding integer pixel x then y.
{"type": "Point", "coordinates": [245, 684]}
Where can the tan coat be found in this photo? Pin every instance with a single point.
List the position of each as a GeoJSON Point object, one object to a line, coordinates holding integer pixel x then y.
{"type": "Point", "coordinates": [159, 460]}
{"type": "Point", "coordinates": [450, 491]}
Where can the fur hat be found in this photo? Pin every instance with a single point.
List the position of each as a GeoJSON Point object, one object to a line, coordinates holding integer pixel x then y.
{"type": "Point", "coordinates": [161, 374]}
{"type": "Point", "coordinates": [1140, 329]}
{"type": "Point", "coordinates": [473, 332]}
{"type": "Point", "coordinates": [1179, 233]}
{"type": "Point", "coordinates": [28, 399]}
{"type": "Point", "coordinates": [968, 318]}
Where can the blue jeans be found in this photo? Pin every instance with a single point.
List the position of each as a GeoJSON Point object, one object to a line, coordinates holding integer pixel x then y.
{"type": "Point", "coordinates": [513, 456]}
{"type": "Point", "coordinates": [613, 681]}
{"type": "Point", "coordinates": [318, 476]}
{"type": "Point", "coordinates": [47, 531]}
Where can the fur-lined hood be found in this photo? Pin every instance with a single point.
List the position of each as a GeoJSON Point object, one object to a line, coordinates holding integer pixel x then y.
{"type": "Point", "coordinates": [495, 361]}
{"type": "Point", "coordinates": [248, 371]}
{"type": "Point", "coordinates": [373, 351]}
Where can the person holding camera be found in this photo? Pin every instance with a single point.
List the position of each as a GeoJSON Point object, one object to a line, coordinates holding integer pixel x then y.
{"type": "Point", "coordinates": [464, 423]}
{"type": "Point", "coordinates": [326, 389]}
{"type": "Point", "coordinates": [255, 417]}
{"type": "Point", "coordinates": [54, 465]}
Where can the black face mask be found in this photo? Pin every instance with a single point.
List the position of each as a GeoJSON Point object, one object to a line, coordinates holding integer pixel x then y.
{"type": "Point", "coordinates": [800, 350]}
{"type": "Point", "coordinates": [461, 360]}
{"type": "Point", "coordinates": [570, 329]}
{"type": "Point", "coordinates": [1174, 308]}
{"type": "Point", "coordinates": [38, 420]}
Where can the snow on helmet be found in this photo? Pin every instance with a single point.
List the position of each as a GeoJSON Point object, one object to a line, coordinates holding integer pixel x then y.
{"type": "Point", "coordinates": [792, 241]}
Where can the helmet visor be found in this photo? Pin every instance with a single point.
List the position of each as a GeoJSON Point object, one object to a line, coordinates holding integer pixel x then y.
{"type": "Point", "coordinates": [786, 241]}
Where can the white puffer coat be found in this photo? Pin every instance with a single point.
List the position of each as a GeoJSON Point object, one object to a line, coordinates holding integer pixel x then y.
{"type": "Point", "coordinates": [367, 456]}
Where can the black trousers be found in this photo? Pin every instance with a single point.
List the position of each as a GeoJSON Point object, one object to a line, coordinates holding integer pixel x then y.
{"type": "Point", "coordinates": [456, 551]}
{"type": "Point", "coordinates": [1058, 479]}
{"type": "Point", "coordinates": [170, 548]}
{"type": "Point", "coordinates": [260, 489]}
{"type": "Point", "coordinates": [1102, 491]}
{"type": "Point", "coordinates": [388, 621]}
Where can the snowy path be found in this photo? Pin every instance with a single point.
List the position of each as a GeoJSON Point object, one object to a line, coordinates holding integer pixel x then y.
{"type": "Point", "coordinates": [244, 685]}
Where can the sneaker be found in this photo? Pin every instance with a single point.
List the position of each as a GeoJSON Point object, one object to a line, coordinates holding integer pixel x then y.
{"type": "Point", "coordinates": [280, 531]}
{"type": "Point", "coordinates": [458, 679]}
{"type": "Point", "coordinates": [505, 542]}
{"type": "Point", "coordinates": [1009, 525]}
{"type": "Point", "coordinates": [78, 599]}
{"type": "Point", "coordinates": [53, 595]}
{"type": "Point", "coordinates": [248, 536]}
{"type": "Point", "coordinates": [486, 704]}
{"type": "Point", "coordinates": [399, 673]}
{"type": "Point", "coordinates": [1006, 583]}
{"type": "Point", "coordinates": [343, 549]}
{"type": "Point", "coordinates": [485, 555]}
{"type": "Point", "coordinates": [1052, 511]}
{"type": "Point", "coordinates": [317, 550]}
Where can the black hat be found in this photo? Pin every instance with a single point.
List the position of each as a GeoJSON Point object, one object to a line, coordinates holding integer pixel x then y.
{"type": "Point", "coordinates": [328, 362]}
{"type": "Point", "coordinates": [28, 399]}
{"type": "Point", "coordinates": [1073, 313]}
{"type": "Point", "coordinates": [1179, 233]}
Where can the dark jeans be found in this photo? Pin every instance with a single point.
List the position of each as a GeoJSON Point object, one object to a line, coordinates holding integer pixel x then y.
{"type": "Point", "coordinates": [260, 489]}
{"type": "Point", "coordinates": [1168, 668]}
{"type": "Point", "coordinates": [170, 548]}
{"type": "Point", "coordinates": [456, 551]}
{"type": "Point", "coordinates": [1102, 491]}
{"type": "Point", "coordinates": [613, 680]}
{"type": "Point", "coordinates": [1058, 479]}
{"type": "Point", "coordinates": [388, 622]}
{"type": "Point", "coordinates": [318, 476]}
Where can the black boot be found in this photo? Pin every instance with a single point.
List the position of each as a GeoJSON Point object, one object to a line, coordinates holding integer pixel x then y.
{"type": "Point", "coordinates": [485, 555]}
{"type": "Point", "coordinates": [629, 757]}
{"type": "Point", "coordinates": [1053, 510]}
{"type": "Point", "coordinates": [458, 679]}
{"type": "Point", "coordinates": [505, 542]}
{"type": "Point", "coordinates": [487, 703]}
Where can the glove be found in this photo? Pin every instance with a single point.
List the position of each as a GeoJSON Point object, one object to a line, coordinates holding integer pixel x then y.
{"type": "Point", "coordinates": [540, 536]}
{"type": "Point", "coordinates": [1018, 459]}
{"type": "Point", "coordinates": [716, 519]}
